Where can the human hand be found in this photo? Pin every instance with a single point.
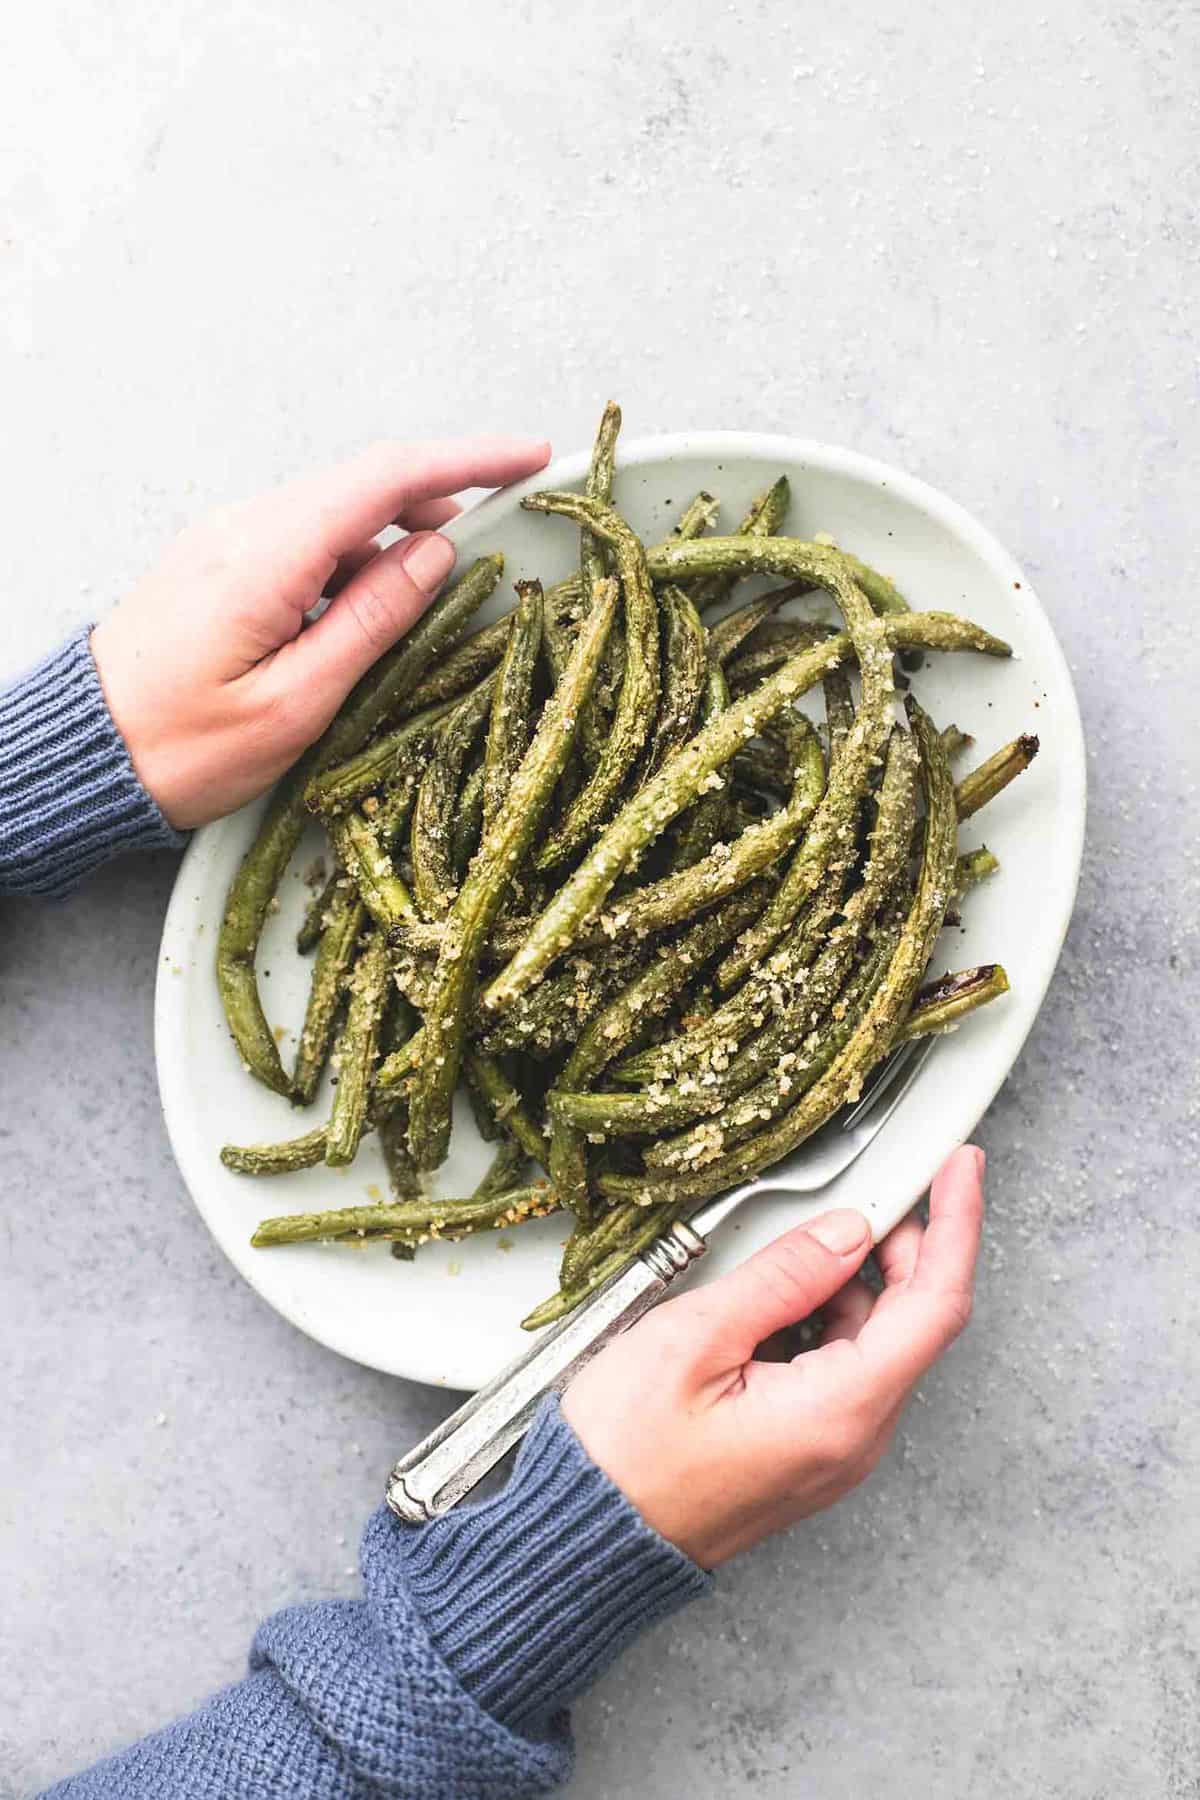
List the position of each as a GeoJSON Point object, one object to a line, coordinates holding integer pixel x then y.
{"type": "Point", "coordinates": [213, 678]}
{"type": "Point", "coordinates": [717, 1450]}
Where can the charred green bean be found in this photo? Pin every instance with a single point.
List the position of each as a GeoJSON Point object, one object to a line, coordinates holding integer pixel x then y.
{"type": "Point", "coordinates": [507, 1106]}
{"type": "Point", "coordinates": [468, 823]}
{"type": "Point", "coordinates": [487, 883]}
{"type": "Point", "coordinates": [431, 834]}
{"type": "Point", "coordinates": [277, 1159]}
{"type": "Point", "coordinates": [874, 1034]}
{"type": "Point", "coordinates": [943, 1003]}
{"type": "Point", "coordinates": [261, 870]}
{"type": "Point", "coordinates": [644, 999]}
{"type": "Point", "coordinates": [357, 1049]}
{"type": "Point", "coordinates": [422, 1219]}
{"type": "Point", "coordinates": [636, 703]}
{"type": "Point", "coordinates": [345, 917]}
{"type": "Point", "coordinates": [763, 519]}
{"type": "Point", "coordinates": [676, 786]}
{"type": "Point", "coordinates": [504, 1170]}
{"type": "Point", "coordinates": [654, 1221]}
{"type": "Point", "coordinates": [313, 922]}
{"type": "Point", "coordinates": [994, 775]}
{"type": "Point", "coordinates": [383, 891]}
{"type": "Point", "coordinates": [684, 673]}
{"type": "Point", "coordinates": [510, 724]}
{"type": "Point", "coordinates": [347, 783]}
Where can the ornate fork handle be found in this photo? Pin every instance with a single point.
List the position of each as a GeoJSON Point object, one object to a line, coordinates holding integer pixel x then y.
{"type": "Point", "coordinates": [459, 1453]}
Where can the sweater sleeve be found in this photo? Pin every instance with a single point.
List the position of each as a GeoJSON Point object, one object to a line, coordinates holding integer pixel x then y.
{"type": "Point", "coordinates": [69, 795]}
{"type": "Point", "coordinates": [450, 1676]}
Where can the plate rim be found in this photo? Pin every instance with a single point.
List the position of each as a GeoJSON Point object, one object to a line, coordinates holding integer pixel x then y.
{"type": "Point", "coordinates": [1070, 758]}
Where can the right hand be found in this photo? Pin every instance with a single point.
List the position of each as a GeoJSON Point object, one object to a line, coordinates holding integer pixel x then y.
{"type": "Point", "coordinates": [717, 1450]}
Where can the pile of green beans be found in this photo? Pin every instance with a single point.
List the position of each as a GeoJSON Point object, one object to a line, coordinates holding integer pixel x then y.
{"type": "Point", "coordinates": [594, 865]}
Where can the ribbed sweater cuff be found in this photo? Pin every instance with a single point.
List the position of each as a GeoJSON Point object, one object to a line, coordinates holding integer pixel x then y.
{"type": "Point", "coordinates": [69, 796]}
{"type": "Point", "coordinates": [530, 1595]}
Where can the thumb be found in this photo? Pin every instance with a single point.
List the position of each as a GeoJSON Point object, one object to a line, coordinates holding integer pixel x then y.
{"type": "Point", "coordinates": [779, 1285]}
{"type": "Point", "coordinates": [377, 605]}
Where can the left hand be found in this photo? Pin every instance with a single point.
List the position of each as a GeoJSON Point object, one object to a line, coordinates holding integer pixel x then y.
{"type": "Point", "coordinates": [215, 681]}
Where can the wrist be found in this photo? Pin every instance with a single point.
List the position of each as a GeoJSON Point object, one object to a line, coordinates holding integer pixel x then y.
{"type": "Point", "coordinates": [75, 797]}
{"type": "Point", "coordinates": [529, 1595]}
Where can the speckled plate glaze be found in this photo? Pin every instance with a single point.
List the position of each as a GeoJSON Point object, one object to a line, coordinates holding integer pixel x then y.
{"type": "Point", "coordinates": [451, 1317]}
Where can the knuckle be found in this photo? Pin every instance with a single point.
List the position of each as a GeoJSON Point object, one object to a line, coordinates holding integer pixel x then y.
{"type": "Point", "coordinates": [373, 608]}
{"type": "Point", "coordinates": [849, 1433]}
{"type": "Point", "coordinates": [786, 1276]}
{"type": "Point", "coordinates": [282, 715]}
{"type": "Point", "coordinates": [958, 1304]}
{"type": "Point", "coordinates": [843, 1443]}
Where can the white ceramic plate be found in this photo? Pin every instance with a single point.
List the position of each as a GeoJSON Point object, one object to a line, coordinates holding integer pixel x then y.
{"type": "Point", "coordinates": [451, 1317]}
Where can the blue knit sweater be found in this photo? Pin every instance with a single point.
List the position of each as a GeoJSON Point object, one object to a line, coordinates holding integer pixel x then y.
{"type": "Point", "coordinates": [449, 1678]}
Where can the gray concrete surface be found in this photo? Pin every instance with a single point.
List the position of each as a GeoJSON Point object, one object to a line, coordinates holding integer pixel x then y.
{"type": "Point", "coordinates": [241, 238]}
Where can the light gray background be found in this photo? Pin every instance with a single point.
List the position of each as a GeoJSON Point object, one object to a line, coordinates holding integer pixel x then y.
{"type": "Point", "coordinates": [238, 239]}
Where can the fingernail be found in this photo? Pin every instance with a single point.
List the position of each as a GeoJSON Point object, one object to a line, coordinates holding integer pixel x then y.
{"type": "Point", "coordinates": [980, 1161]}
{"type": "Point", "coordinates": [428, 558]}
{"type": "Point", "coordinates": [842, 1232]}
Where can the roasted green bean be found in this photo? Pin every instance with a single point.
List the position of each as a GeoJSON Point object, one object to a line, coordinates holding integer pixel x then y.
{"type": "Point", "coordinates": [839, 710]}
{"type": "Point", "coordinates": [728, 635]}
{"type": "Point", "coordinates": [464, 668]}
{"type": "Point", "coordinates": [395, 677]}
{"type": "Point", "coordinates": [313, 922]}
{"type": "Point", "coordinates": [507, 1106]}
{"type": "Point", "coordinates": [634, 716]}
{"type": "Point", "coordinates": [510, 726]}
{"type": "Point", "coordinates": [261, 870]}
{"type": "Point", "coordinates": [487, 883]}
{"type": "Point", "coordinates": [705, 822]}
{"type": "Point", "coordinates": [830, 835]}
{"type": "Point", "coordinates": [403, 1175]}
{"type": "Point", "coordinates": [796, 1070]}
{"type": "Point", "coordinates": [591, 1240]}
{"type": "Point", "coordinates": [421, 1219]}
{"type": "Point", "coordinates": [468, 823]}
{"type": "Point", "coordinates": [551, 1017]}
{"type": "Point", "coordinates": [357, 1049]}
{"type": "Point", "coordinates": [598, 486]}
{"type": "Point", "coordinates": [593, 567]}
{"type": "Point", "coordinates": [994, 775]}
{"type": "Point", "coordinates": [644, 999]}
{"type": "Point", "coordinates": [343, 786]}
{"type": "Point", "coordinates": [344, 920]}
{"type": "Point", "coordinates": [504, 1170]}
{"type": "Point", "coordinates": [697, 517]}
{"type": "Point", "coordinates": [727, 866]}
{"type": "Point", "coordinates": [277, 1159]}
{"type": "Point", "coordinates": [431, 834]}
{"type": "Point", "coordinates": [684, 673]}
{"type": "Point", "coordinates": [743, 1094]}
{"type": "Point", "coordinates": [794, 992]}
{"type": "Point", "coordinates": [654, 1221]}
{"type": "Point", "coordinates": [383, 891]}
{"type": "Point", "coordinates": [874, 1034]}
{"type": "Point", "coordinates": [677, 785]}
{"type": "Point", "coordinates": [246, 906]}
{"type": "Point", "coordinates": [945, 1002]}
{"type": "Point", "coordinates": [763, 519]}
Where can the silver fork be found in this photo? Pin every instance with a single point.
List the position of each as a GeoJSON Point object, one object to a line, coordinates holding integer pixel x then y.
{"type": "Point", "coordinates": [459, 1453]}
